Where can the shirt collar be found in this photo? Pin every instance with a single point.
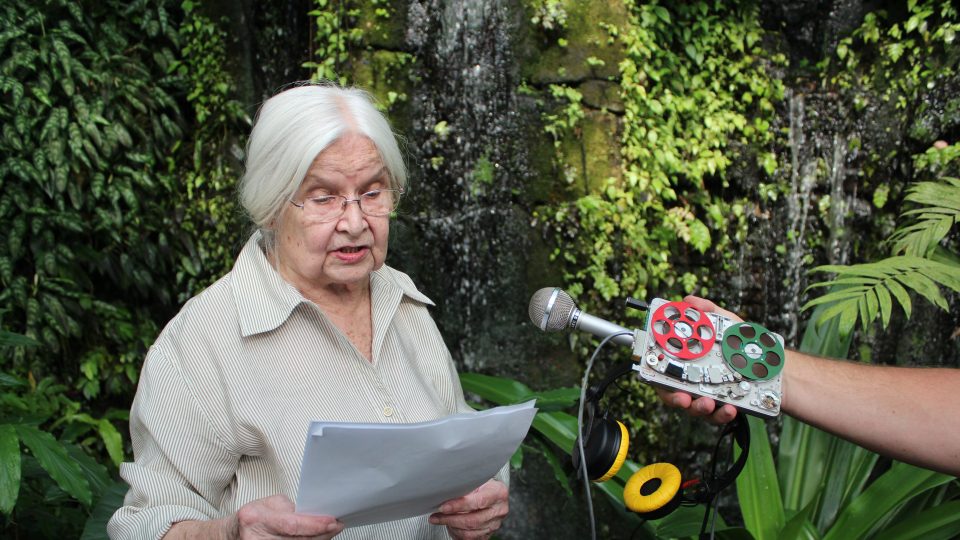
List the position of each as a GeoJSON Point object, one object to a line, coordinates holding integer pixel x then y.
{"type": "Point", "coordinates": [265, 300]}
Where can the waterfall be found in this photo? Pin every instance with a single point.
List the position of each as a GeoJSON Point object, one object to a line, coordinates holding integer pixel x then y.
{"type": "Point", "coordinates": [468, 163]}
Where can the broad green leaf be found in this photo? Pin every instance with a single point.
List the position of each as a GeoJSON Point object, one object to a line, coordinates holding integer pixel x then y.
{"type": "Point", "coordinates": [499, 390]}
{"type": "Point", "coordinates": [800, 462]}
{"type": "Point", "coordinates": [847, 469]}
{"type": "Point", "coordinates": [54, 459]}
{"type": "Point", "coordinates": [9, 468]}
{"type": "Point", "coordinates": [945, 274]}
{"type": "Point", "coordinates": [10, 339]}
{"type": "Point", "coordinates": [96, 473]}
{"type": "Point", "coordinates": [799, 527]}
{"type": "Point", "coordinates": [803, 449]}
{"type": "Point", "coordinates": [559, 427]}
{"type": "Point", "coordinates": [891, 489]}
{"type": "Point", "coordinates": [96, 526]}
{"type": "Point", "coordinates": [111, 440]}
{"type": "Point", "coordinates": [684, 522]}
{"type": "Point", "coordinates": [758, 488]}
{"type": "Point", "coordinates": [557, 467]}
{"type": "Point", "coordinates": [939, 522]}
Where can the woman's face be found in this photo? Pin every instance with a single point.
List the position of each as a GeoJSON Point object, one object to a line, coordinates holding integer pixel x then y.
{"type": "Point", "coordinates": [338, 254]}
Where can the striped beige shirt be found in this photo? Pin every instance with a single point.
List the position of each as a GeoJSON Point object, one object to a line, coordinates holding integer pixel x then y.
{"type": "Point", "coordinates": [231, 384]}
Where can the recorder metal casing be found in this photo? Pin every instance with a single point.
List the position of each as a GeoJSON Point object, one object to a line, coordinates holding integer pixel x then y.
{"type": "Point", "coordinates": [707, 354]}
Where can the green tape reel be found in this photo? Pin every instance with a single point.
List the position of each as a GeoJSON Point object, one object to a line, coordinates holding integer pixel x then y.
{"type": "Point", "coordinates": [752, 351]}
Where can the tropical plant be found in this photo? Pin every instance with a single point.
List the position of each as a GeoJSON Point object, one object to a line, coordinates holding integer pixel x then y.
{"type": "Point", "coordinates": [918, 263]}
{"type": "Point", "coordinates": [89, 242]}
{"type": "Point", "coordinates": [555, 429]}
{"type": "Point", "coordinates": [825, 487]}
{"type": "Point", "coordinates": [47, 483]}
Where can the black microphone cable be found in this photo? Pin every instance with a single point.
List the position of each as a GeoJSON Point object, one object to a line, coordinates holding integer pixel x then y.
{"type": "Point", "coordinates": [583, 458]}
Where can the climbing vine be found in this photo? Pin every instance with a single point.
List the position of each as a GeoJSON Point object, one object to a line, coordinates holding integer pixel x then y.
{"type": "Point", "coordinates": [208, 158]}
{"type": "Point", "coordinates": [89, 115]}
{"type": "Point", "coordinates": [698, 95]}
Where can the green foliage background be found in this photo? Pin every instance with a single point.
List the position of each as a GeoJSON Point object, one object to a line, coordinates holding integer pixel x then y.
{"type": "Point", "coordinates": [121, 136]}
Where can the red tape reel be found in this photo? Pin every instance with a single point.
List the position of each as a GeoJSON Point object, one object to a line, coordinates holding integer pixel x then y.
{"type": "Point", "coordinates": [682, 330]}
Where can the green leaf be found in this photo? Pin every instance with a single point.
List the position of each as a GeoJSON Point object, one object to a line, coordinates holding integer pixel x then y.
{"type": "Point", "coordinates": [847, 469]}
{"type": "Point", "coordinates": [10, 339]}
{"type": "Point", "coordinates": [886, 305]}
{"type": "Point", "coordinates": [799, 526]}
{"type": "Point", "coordinates": [112, 499]}
{"type": "Point", "coordinates": [111, 440]}
{"type": "Point", "coordinates": [500, 390]}
{"type": "Point", "coordinates": [54, 459]}
{"type": "Point", "coordinates": [556, 466]}
{"type": "Point", "coordinates": [559, 427]}
{"type": "Point", "coordinates": [9, 468]}
{"type": "Point", "coordinates": [892, 489]}
{"type": "Point", "coordinates": [758, 487]}
{"type": "Point", "coordinates": [939, 522]}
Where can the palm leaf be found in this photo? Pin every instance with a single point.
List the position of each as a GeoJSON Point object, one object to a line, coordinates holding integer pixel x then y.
{"type": "Point", "coordinates": [940, 211]}
{"type": "Point", "coordinates": [869, 288]}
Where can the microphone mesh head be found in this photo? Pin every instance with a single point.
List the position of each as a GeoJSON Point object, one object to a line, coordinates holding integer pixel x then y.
{"type": "Point", "coordinates": [560, 312]}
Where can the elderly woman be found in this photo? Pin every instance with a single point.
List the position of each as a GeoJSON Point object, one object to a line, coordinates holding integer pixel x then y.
{"type": "Point", "coordinates": [309, 324]}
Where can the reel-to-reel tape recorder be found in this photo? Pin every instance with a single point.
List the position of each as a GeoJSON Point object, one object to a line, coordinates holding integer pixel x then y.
{"type": "Point", "coordinates": [684, 348]}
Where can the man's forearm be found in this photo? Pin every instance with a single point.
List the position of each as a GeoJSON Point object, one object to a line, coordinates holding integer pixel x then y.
{"type": "Point", "coordinates": [910, 414]}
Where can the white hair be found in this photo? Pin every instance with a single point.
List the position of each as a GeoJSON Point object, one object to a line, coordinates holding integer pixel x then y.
{"type": "Point", "coordinates": [292, 128]}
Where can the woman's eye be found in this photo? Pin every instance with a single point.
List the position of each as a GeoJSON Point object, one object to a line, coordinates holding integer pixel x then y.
{"type": "Point", "coordinates": [324, 200]}
{"type": "Point", "coordinates": [372, 194]}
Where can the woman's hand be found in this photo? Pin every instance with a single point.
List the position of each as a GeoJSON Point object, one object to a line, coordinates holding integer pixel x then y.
{"type": "Point", "coordinates": [701, 406]}
{"type": "Point", "coordinates": [477, 514]}
{"type": "Point", "coordinates": [271, 517]}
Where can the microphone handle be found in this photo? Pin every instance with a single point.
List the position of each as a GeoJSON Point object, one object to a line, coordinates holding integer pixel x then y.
{"type": "Point", "coordinates": [601, 328]}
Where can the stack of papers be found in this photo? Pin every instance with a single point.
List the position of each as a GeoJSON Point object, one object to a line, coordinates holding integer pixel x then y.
{"type": "Point", "coordinates": [371, 473]}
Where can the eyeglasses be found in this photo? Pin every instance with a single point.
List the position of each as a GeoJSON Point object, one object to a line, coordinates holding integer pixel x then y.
{"type": "Point", "coordinates": [376, 203]}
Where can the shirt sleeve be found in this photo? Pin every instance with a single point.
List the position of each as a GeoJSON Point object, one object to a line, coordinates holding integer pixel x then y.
{"type": "Point", "coordinates": [181, 468]}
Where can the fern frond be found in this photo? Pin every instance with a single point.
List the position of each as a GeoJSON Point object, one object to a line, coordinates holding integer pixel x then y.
{"type": "Point", "coordinates": [940, 212]}
{"type": "Point", "coordinates": [869, 289]}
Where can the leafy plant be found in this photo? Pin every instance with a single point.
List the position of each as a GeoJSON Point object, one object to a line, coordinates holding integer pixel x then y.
{"type": "Point", "coordinates": [335, 32]}
{"type": "Point", "coordinates": [825, 487]}
{"type": "Point", "coordinates": [89, 242]}
{"type": "Point", "coordinates": [918, 263]}
{"type": "Point", "coordinates": [211, 220]}
{"type": "Point", "coordinates": [37, 468]}
{"type": "Point", "coordinates": [684, 107]}
{"type": "Point", "coordinates": [554, 429]}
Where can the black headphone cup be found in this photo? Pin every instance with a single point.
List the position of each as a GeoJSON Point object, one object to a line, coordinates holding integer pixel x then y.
{"type": "Point", "coordinates": [600, 448]}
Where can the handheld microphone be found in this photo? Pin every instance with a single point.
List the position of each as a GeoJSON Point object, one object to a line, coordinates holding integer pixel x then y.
{"type": "Point", "coordinates": [552, 310]}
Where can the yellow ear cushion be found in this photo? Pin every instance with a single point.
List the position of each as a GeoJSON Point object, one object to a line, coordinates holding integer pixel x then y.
{"type": "Point", "coordinates": [669, 476]}
{"type": "Point", "coordinates": [621, 454]}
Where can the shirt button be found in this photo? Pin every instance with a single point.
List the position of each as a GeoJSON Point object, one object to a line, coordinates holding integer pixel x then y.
{"type": "Point", "coordinates": [388, 411]}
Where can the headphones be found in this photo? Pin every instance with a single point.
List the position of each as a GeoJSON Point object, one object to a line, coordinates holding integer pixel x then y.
{"type": "Point", "coordinates": [658, 489]}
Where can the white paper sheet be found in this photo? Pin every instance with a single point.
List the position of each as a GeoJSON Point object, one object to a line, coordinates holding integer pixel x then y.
{"type": "Point", "coordinates": [371, 473]}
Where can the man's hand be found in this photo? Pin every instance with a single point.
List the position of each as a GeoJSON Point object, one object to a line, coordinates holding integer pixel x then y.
{"type": "Point", "coordinates": [701, 406]}
{"type": "Point", "coordinates": [476, 515]}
